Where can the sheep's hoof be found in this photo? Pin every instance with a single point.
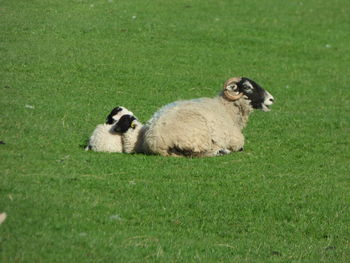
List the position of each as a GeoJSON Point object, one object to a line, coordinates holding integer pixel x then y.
{"type": "Point", "coordinates": [223, 152]}
{"type": "Point", "coordinates": [88, 148]}
{"type": "Point", "coordinates": [241, 150]}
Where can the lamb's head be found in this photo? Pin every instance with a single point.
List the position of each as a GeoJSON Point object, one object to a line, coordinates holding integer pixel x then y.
{"type": "Point", "coordinates": [235, 88]}
{"type": "Point", "coordinates": [125, 122]}
{"type": "Point", "coordinates": [116, 114]}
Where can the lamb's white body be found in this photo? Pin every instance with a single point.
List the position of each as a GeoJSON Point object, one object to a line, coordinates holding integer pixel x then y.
{"type": "Point", "coordinates": [200, 127]}
{"type": "Point", "coordinates": [104, 138]}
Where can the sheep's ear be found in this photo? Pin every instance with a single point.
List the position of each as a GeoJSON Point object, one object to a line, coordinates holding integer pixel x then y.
{"type": "Point", "coordinates": [109, 119]}
{"type": "Point", "coordinates": [231, 90]}
{"type": "Point", "coordinates": [133, 124]}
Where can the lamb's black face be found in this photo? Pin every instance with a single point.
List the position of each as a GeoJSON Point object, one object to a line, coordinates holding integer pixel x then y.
{"type": "Point", "coordinates": [258, 97]}
{"type": "Point", "coordinates": [124, 123]}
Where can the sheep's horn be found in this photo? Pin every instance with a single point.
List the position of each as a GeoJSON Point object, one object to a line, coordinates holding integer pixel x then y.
{"type": "Point", "coordinates": [228, 92]}
{"type": "Point", "coordinates": [232, 80]}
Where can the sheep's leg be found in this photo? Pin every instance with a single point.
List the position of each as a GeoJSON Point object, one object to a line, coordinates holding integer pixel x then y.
{"type": "Point", "coordinates": [223, 152]}
{"type": "Point", "coordinates": [236, 144]}
{"type": "Point", "coordinates": [212, 153]}
{"type": "Point", "coordinates": [181, 153]}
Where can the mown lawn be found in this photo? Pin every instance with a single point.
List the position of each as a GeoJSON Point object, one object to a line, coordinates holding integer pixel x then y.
{"type": "Point", "coordinates": [66, 63]}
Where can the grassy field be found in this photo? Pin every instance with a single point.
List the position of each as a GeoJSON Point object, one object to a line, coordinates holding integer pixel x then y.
{"type": "Point", "coordinates": [66, 63]}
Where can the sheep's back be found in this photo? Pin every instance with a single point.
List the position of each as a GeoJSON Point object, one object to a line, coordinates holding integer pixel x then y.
{"type": "Point", "coordinates": [194, 124]}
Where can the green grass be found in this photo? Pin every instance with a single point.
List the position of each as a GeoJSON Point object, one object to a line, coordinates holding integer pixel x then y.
{"type": "Point", "coordinates": [65, 64]}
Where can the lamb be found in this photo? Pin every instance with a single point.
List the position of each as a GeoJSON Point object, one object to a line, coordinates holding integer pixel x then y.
{"type": "Point", "coordinates": [206, 126]}
{"type": "Point", "coordinates": [132, 132]}
{"type": "Point", "coordinates": [104, 138]}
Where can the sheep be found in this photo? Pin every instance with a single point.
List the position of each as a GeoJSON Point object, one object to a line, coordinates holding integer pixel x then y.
{"type": "Point", "coordinates": [132, 132]}
{"type": "Point", "coordinates": [104, 138]}
{"type": "Point", "coordinates": [206, 126]}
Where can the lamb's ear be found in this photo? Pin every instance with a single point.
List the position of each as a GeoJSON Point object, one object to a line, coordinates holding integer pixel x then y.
{"type": "Point", "coordinates": [231, 90]}
{"type": "Point", "coordinates": [133, 124]}
{"type": "Point", "coordinates": [115, 111]}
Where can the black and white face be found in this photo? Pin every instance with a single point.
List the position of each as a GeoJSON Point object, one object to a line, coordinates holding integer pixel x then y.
{"type": "Point", "coordinates": [116, 114]}
{"type": "Point", "coordinates": [125, 122]}
{"type": "Point", "coordinates": [258, 97]}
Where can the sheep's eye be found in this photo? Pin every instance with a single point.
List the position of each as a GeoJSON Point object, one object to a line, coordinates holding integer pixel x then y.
{"type": "Point", "coordinates": [247, 87]}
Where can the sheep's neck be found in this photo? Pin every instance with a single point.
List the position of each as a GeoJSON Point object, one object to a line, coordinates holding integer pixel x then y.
{"type": "Point", "coordinates": [239, 110]}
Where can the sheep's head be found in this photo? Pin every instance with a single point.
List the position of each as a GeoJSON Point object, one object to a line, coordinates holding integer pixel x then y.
{"type": "Point", "coordinates": [238, 87]}
{"type": "Point", "coordinates": [116, 114]}
{"type": "Point", "coordinates": [125, 122]}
